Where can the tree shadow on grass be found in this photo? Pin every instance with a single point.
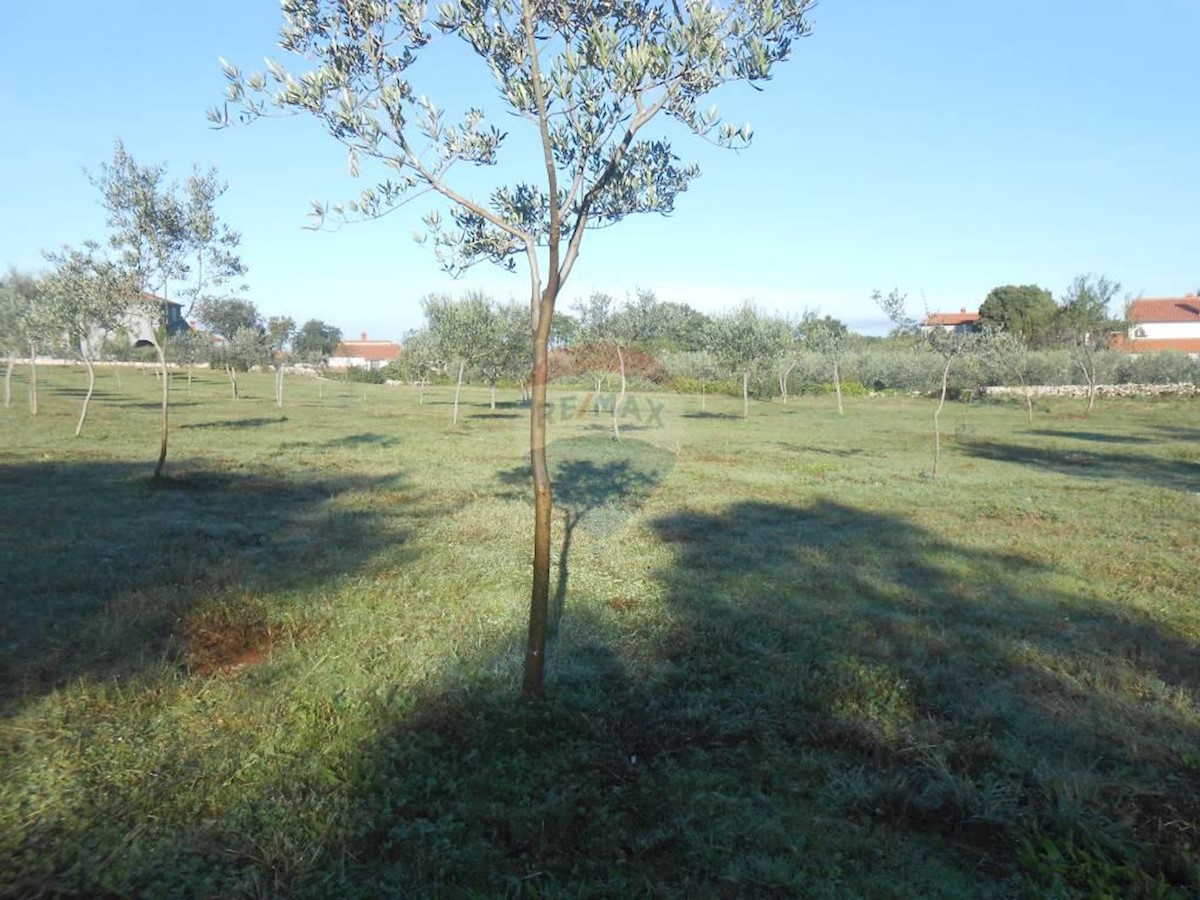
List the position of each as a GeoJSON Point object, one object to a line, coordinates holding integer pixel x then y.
{"type": "Point", "coordinates": [1179, 432]}
{"type": "Point", "coordinates": [366, 439]}
{"type": "Point", "coordinates": [841, 452]}
{"type": "Point", "coordinates": [805, 699]}
{"type": "Point", "coordinates": [711, 415]}
{"type": "Point", "coordinates": [818, 684]}
{"type": "Point", "coordinates": [257, 422]}
{"type": "Point", "coordinates": [104, 572]}
{"type": "Point", "coordinates": [1177, 474]}
{"type": "Point", "coordinates": [152, 404]}
{"type": "Point", "coordinates": [1098, 437]}
{"type": "Point", "coordinates": [598, 483]}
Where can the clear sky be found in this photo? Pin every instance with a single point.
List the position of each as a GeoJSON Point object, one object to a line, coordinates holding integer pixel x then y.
{"type": "Point", "coordinates": [939, 147]}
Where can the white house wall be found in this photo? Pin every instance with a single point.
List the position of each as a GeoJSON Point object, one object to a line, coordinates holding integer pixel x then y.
{"type": "Point", "coordinates": [1162, 330]}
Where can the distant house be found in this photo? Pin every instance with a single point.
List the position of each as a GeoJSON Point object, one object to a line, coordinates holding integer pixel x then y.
{"type": "Point", "coordinates": [146, 316]}
{"type": "Point", "coordinates": [141, 322]}
{"type": "Point", "coordinates": [1171, 323]}
{"type": "Point", "coordinates": [363, 354]}
{"type": "Point", "coordinates": [962, 322]}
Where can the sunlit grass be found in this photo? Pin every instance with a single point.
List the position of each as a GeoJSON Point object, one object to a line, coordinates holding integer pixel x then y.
{"type": "Point", "coordinates": [785, 661]}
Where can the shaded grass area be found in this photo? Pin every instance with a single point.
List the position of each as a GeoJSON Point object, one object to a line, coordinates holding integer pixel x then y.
{"type": "Point", "coordinates": [104, 570]}
{"type": "Point", "coordinates": [786, 663]}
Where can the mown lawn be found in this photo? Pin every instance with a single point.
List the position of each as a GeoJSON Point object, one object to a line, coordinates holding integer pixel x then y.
{"type": "Point", "coordinates": [785, 661]}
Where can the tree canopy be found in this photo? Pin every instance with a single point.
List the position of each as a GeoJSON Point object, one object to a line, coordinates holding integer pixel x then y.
{"type": "Point", "coordinates": [315, 341]}
{"type": "Point", "coordinates": [227, 316]}
{"type": "Point", "coordinates": [1024, 310]}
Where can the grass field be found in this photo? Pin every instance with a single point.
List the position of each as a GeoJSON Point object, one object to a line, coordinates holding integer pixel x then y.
{"type": "Point", "coordinates": [785, 662]}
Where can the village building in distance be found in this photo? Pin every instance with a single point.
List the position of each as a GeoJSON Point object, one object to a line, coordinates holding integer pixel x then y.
{"type": "Point", "coordinates": [363, 354]}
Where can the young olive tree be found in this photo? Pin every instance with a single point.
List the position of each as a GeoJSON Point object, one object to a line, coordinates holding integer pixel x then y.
{"type": "Point", "coordinates": [240, 328]}
{"type": "Point", "coordinates": [1084, 325]}
{"type": "Point", "coordinates": [586, 77]}
{"type": "Point", "coordinates": [744, 340]}
{"type": "Point", "coordinates": [190, 348]}
{"type": "Point", "coordinates": [830, 340]}
{"type": "Point", "coordinates": [949, 345]}
{"type": "Point", "coordinates": [281, 332]}
{"type": "Point", "coordinates": [170, 241]}
{"type": "Point", "coordinates": [19, 297]}
{"type": "Point", "coordinates": [85, 297]}
{"type": "Point", "coordinates": [461, 329]}
{"type": "Point", "coordinates": [505, 352]}
{"type": "Point", "coordinates": [1008, 352]}
{"type": "Point", "coordinates": [420, 360]}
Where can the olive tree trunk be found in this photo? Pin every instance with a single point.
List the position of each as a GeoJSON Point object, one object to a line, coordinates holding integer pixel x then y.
{"type": "Point", "coordinates": [462, 366]}
{"type": "Point", "coordinates": [616, 407]}
{"type": "Point", "coordinates": [87, 398]}
{"type": "Point", "coordinates": [165, 376]}
{"type": "Point", "coordinates": [533, 684]}
{"type": "Point", "coordinates": [937, 433]}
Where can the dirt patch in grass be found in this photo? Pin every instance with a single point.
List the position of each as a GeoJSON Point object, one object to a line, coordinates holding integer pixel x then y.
{"type": "Point", "coordinates": [624, 604]}
{"type": "Point", "coordinates": [226, 639]}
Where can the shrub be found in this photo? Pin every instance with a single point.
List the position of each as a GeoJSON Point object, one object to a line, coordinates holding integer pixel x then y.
{"type": "Point", "coordinates": [1168, 367]}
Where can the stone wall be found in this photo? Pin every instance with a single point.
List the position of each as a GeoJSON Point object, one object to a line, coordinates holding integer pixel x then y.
{"type": "Point", "coordinates": [1102, 390]}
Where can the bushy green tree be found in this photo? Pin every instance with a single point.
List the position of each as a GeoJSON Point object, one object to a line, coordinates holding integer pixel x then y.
{"type": "Point", "coordinates": [652, 324]}
{"type": "Point", "coordinates": [315, 342]}
{"type": "Point", "coordinates": [1024, 310]}
{"type": "Point", "coordinates": [224, 316]}
{"type": "Point", "coordinates": [586, 77]}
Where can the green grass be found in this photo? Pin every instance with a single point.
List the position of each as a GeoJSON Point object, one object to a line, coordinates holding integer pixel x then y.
{"type": "Point", "coordinates": [784, 662]}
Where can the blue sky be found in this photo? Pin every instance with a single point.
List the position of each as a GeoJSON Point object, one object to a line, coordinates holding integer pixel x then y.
{"type": "Point", "coordinates": [942, 148]}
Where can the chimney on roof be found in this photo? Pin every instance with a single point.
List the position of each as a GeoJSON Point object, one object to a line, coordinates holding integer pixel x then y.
{"type": "Point", "coordinates": [364, 336]}
{"type": "Point", "coordinates": [962, 309]}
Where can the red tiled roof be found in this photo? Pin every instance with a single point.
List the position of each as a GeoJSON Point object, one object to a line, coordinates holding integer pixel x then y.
{"type": "Point", "coordinates": [1155, 345]}
{"type": "Point", "coordinates": [372, 351]}
{"type": "Point", "coordinates": [1174, 309]}
{"type": "Point", "coordinates": [959, 318]}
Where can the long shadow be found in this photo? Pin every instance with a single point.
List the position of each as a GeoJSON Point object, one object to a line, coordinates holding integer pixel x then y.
{"type": "Point", "coordinates": [833, 680]}
{"type": "Point", "coordinates": [841, 452]}
{"type": "Point", "coordinates": [257, 422]}
{"type": "Point", "coordinates": [1179, 432]}
{"type": "Point", "coordinates": [149, 404]}
{"type": "Point", "coordinates": [1098, 437]}
{"type": "Point", "coordinates": [103, 571]}
{"type": "Point", "coordinates": [1178, 474]}
{"type": "Point", "coordinates": [366, 439]}
{"type": "Point", "coordinates": [711, 415]}
{"type": "Point", "coordinates": [806, 700]}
